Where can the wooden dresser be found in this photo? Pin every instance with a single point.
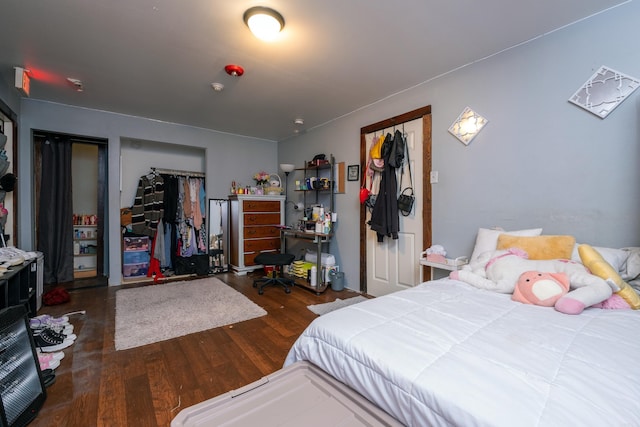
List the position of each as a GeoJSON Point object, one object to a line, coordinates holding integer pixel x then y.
{"type": "Point", "coordinates": [253, 222]}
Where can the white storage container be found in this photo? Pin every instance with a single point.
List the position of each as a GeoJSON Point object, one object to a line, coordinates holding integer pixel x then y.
{"type": "Point", "coordinates": [327, 260]}
{"type": "Point", "coordinates": [298, 395]}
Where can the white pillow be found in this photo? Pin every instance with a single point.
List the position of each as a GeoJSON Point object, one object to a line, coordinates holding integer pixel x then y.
{"type": "Point", "coordinates": [487, 239]}
{"type": "Point", "coordinates": [615, 257]}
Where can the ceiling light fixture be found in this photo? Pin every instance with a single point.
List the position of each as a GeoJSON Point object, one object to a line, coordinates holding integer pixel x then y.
{"type": "Point", "coordinates": [298, 121]}
{"type": "Point", "coordinates": [264, 23]}
{"type": "Point", "coordinates": [217, 86]}
{"type": "Point", "coordinates": [234, 70]}
{"type": "Point", "coordinates": [76, 83]}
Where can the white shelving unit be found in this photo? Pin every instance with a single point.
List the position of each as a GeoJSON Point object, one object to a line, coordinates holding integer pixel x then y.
{"type": "Point", "coordinates": [85, 257]}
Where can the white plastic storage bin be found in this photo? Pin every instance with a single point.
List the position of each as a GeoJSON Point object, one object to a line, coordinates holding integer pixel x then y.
{"type": "Point", "coordinates": [298, 395]}
{"type": "Point", "coordinates": [327, 260]}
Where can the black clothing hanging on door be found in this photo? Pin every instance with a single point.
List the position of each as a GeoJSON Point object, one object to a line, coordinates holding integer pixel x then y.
{"type": "Point", "coordinates": [384, 217]}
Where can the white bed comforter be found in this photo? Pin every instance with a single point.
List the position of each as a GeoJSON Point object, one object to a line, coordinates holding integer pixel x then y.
{"type": "Point", "coordinates": [445, 353]}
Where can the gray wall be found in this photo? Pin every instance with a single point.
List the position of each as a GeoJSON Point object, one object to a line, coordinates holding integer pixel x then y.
{"type": "Point", "coordinates": [225, 154]}
{"type": "Point", "coordinates": [540, 161]}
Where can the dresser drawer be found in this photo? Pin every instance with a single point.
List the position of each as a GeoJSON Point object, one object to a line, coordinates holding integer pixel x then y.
{"type": "Point", "coordinates": [261, 206]}
{"type": "Point", "coordinates": [261, 219]}
{"type": "Point", "coordinates": [259, 245]}
{"type": "Point", "coordinates": [261, 231]}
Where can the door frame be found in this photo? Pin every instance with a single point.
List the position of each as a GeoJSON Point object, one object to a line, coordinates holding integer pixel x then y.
{"type": "Point", "coordinates": [102, 204]}
{"type": "Point", "coordinates": [425, 114]}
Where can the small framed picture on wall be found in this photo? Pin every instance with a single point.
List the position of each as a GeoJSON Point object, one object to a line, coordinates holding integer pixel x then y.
{"type": "Point", "coordinates": [353, 172]}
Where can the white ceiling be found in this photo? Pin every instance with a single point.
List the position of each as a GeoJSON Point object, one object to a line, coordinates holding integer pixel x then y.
{"type": "Point", "coordinates": [158, 58]}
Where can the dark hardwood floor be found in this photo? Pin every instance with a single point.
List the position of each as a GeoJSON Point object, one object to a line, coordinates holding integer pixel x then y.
{"type": "Point", "coordinates": [147, 386]}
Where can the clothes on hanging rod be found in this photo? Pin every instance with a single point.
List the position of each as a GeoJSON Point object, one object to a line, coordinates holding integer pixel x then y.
{"type": "Point", "coordinates": [183, 229]}
{"type": "Point", "coordinates": [148, 205]}
{"type": "Point", "coordinates": [178, 172]}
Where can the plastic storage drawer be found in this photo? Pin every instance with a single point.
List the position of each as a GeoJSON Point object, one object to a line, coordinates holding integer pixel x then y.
{"type": "Point", "coordinates": [135, 257]}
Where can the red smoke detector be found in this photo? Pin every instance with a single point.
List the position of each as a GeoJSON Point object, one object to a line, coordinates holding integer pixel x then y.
{"type": "Point", "coordinates": [234, 70]}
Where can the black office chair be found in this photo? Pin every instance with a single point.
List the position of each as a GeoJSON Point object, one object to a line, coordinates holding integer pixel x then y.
{"type": "Point", "coordinates": [277, 260]}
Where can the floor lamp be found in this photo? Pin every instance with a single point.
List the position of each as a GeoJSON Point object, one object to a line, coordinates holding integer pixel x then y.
{"type": "Point", "coordinates": [287, 168]}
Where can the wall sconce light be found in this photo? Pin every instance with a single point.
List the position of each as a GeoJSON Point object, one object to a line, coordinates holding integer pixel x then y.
{"type": "Point", "coordinates": [604, 91]}
{"type": "Point", "coordinates": [467, 125]}
{"type": "Point", "coordinates": [264, 23]}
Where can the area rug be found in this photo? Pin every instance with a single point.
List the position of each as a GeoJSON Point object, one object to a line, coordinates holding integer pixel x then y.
{"type": "Point", "coordinates": [160, 312]}
{"type": "Point", "coordinates": [325, 308]}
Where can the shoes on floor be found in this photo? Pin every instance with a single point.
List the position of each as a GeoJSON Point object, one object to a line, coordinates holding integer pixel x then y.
{"type": "Point", "coordinates": [49, 364]}
{"type": "Point", "coordinates": [46, 357]}
{"type": "Point", "coordinates": [54, 334]}
{"type": "Point", "coordinates": [49, 360]}
{"type": "Point", "coordinates": [47, 320]}
{"type": "Point", "coordinates": [48, 342]}
{"type": "Point", "coordinates": [62, 329]}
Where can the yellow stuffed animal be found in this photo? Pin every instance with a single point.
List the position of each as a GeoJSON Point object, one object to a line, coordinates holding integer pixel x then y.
{"type": "Point", "coordinates": [601, 268]}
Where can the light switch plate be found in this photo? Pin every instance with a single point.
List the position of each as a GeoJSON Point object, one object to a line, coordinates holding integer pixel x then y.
{"type": "Point", "coordinates": [433, 177]}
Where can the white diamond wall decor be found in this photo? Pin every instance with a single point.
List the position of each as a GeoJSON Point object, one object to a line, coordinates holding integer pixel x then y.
{"type": "Point", "coordinates": [467, 125]}
{"type": "Point", "coordinates": [604, 91]}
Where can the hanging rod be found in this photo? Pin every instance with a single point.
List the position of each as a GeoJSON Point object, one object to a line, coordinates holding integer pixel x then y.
{"type": "Point", "coordinates": [177, 172]}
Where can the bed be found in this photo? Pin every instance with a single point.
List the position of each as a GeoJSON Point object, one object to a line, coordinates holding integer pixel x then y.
{"type": "Point", "coordinates": [445, 353]}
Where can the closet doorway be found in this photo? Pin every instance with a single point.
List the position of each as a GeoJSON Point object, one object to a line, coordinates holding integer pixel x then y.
{"type": "Point", "coordinates": [70, 203]}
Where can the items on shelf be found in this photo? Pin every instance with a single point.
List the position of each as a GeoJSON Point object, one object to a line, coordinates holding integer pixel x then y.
{"type": "Point", "coordinates": [266, 184]}
{"type": "Point", "coordinates": [84, 219]}
{"type": "Point", "coordinates": [314, 183]}
{"type": "Point", "coordinates": [85, 245]}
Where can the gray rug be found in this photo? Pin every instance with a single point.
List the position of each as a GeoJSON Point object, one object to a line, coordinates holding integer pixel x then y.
{"type": "Point", "coordinates": [160, 312]}
{"type": "Point", "coordinates": [325, 308]}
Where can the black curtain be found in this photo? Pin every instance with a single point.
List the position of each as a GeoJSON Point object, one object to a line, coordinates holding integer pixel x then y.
{"type": "Point", "coordinates": [55, 212]}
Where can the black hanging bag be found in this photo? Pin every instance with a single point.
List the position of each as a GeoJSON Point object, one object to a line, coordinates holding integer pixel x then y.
{"type": "Point", "coordinates": [406, 197]}
{"type": "Point", "coordinates": [405, 201]}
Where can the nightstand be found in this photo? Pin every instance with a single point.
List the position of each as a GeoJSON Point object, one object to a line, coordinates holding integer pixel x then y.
{"type": "Point", "coordinates": [451, 264]}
